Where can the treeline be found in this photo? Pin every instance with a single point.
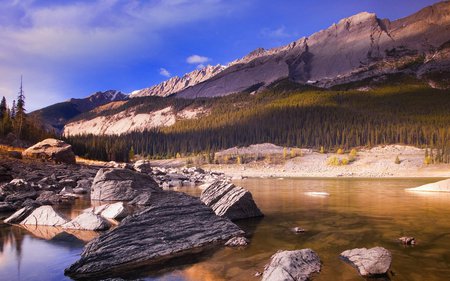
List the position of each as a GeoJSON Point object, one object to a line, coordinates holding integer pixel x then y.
{"type": "Point", "coordinates": [14, 120]}
{"type": "Point", "coordinates": [314, 119]}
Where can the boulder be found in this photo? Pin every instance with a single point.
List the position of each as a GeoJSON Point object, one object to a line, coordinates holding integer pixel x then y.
{"type": "Point", "coordinates": [52, 150]}
{"type": "Point", "coordinates": [142, 199]}
{"type": "Point", "coordinates": [110, 211]}
{"type": "Point", "coordinates": [296, 265]}
{"type": "Point", "coordinates": [237, 242]}
{"type": "Point", "coordinates": [230, 201]}
{"type": "Point", "coordinates": [369, 262]}
{"type": "Point", "coordinates": [5, 174]}
{"type": "Point", "coordinates": [20, 215]}
{"type": "Point", "coordinates": [87, 221]}
{"type": "Point", "coordinates": [49, 198]}
{"type": "Point", "coordinates": [406, 240]}
{"type": "Point", "coordinates": [45, 215]}
{"type": "Point", "coordinates": [111, 184]}
{"type": "Point", "coordinates": [174, 225]}
{"type": "Point", "coordinates": [143, 166]}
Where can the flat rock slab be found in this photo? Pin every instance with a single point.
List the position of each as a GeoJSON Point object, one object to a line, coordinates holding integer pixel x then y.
{"type": "Point", "coordinates": [115, 184]}
{"type": "Point", "coordinates": [230, 201]}
{"type": "Point", "coordinates": [87, 221]}
{"type": "Point", "coordinates": [296, 265]}
{"type": "Point", "coordinates": [369, 262]}
{"type": "Point", "coordinates": [20, 215]}
{"type": "Point", "coordinates": [440, 186]}
{"type": "Point", "coordinates": [116, 210]}
{"type": "Point", "coordinates": [175, 224]}
{"type": "Point", "coordinates": [45, 215]}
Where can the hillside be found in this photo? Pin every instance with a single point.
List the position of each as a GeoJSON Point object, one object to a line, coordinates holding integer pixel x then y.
{"type": "Point", "coordinates": [389, 110]}
{"type": "Point", "coordinates": [57, 115]}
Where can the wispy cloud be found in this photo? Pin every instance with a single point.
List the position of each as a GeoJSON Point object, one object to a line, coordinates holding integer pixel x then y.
{"type": "Point", "coordinates": [164, 72]}
{"type": "Point", "coordinates": [56, 45]}
{"type": "Point", "coordinates": [277, 33]}
{"type": "Point", "coordinates": [196, 59]}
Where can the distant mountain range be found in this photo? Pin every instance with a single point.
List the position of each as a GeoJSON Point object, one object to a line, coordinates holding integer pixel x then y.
{"type": "Point", "coordinates": [359, 48]}
{"type": "Point", "coordinates": [57, 115]}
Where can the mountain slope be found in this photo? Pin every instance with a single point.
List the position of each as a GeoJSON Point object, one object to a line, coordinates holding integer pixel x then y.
{"type": "Point", "coordinates": [57, 115]}
{"type": "Point", "coordinates": [176, 84]}
{"type": "Point", "coordinates": [357, 47]}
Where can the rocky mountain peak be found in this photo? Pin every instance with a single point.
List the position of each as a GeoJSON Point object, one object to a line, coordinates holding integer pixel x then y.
{"type": "Point", "coordinates": [176, 84]}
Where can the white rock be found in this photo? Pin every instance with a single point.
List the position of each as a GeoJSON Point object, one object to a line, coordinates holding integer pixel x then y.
{"type": "Point", "coordinates": [440, 186]}
{"type": "Point", "coordinates": [45, 215]}
{"type": "Point", "coordinates": [87, 221]}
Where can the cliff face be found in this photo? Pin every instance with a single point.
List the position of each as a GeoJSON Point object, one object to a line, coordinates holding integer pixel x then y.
{"type": "Point", "coordinates": [355, 48]}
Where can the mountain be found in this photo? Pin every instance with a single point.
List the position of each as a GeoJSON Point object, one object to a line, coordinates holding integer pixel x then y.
{"type": "Point", "coordinates": [176, 84]}
{"type": "Point", "coordinates": [57, 115]}
{"type": "Point", "coordinates": [355, 48]}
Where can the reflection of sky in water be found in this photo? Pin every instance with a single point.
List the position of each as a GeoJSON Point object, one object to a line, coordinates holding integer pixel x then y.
{"type": "Point", "coordinates": [357, 213]}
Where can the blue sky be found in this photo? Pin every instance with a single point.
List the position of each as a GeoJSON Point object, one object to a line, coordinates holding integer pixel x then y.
{"type": "Point", "coordinates": [70, 49]}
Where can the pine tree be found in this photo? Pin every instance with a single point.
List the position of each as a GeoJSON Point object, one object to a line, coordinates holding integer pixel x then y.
{"type": "Point", "coordinates": [13, 110]}
{"type": "Point", "coordinates": [20, 111]}
{"type": "Point", "coordinates": [3, 108]}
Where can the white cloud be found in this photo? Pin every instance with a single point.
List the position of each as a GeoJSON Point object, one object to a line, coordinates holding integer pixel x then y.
{"type": "Point", "coordinates": [196, 59]}
{"type": "Point", "coordinates": [279, 32]}
{"type": "Point", "coordinates": [57, 45]}
{"type": "Point", "coordinates": [164, 72]}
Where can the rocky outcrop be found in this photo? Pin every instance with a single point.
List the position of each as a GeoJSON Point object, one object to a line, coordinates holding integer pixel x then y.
{"type": "Point", "coordinates": [230, 201]}
{"type": "Point", "coordinates": [87, 221]}
{"type": "Point", "coordinates": [237, 242]}
{"type": "Point", "coordinates": [176, 84]}
{"type": "Point", "coordinates": [45, 215]}
{"type": "Point", "coordinates": [17, 190]}
{"type": "Point", "coordinates": [120, 185]}
{"type": "Point", "coordinates": [369, 262]}
{"type": "Point", "coordinates": [296, 265]}
{"type": "Point", "coordinates": [440, 186]}
{"type": "Point", "coordinates": [142, 166]}
{"type": "Point", "coordinates": [53, 150]}
{"type": "Point", "coordinates": [174, 225]}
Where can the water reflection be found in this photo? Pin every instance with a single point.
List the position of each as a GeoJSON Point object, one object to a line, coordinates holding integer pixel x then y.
{"type": "Point", "coordinates": [357, 213]}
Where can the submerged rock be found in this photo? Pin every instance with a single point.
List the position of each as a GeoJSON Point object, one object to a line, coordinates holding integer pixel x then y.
{"type": "Point", "coordinates": [53, 150]}
{"type": "Point", "coordinates": [230, 201]}
{"type": "Point", "coordinates": [296, 265]}
{"type": "Point", "coordinates": [405, 240]}
{"type": "Point", "coordinates": [174, 225]}
{"type": "Point", "coordinates": [87, 221]}
{"type": "Point", "coordinates": [112, 184]}
{"type": "Point", "coordinates": [45, 215]}
{"type": "Point", "coordinates": [237, 242]}
{"type": "Point", "coordinates": [369, 262]}
{"type": "Point", "coordinates": [440, 186]}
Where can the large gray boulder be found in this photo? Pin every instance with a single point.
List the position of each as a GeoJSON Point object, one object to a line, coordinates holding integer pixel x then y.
{"type": "Point", "coordinates": [114, 184]}
{"type": "Point", "coordinates": [296, 265]}
{"type": "Point", "coordinates": [87, 221]}
{"type": "Point", "coordinates": [175, 224]}
{"type": "Point", "coordinates": [369, 262]}
{"type": "Point", "coordinates": [230, 201]}
{"type": "Point", "coordinates": [52, 150]}
{"type": "Point", "coordinates": [45, 215]}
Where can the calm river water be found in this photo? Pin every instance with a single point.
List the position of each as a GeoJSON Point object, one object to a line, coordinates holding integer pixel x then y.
{"type": "Point", "coordinates": [357, 213]}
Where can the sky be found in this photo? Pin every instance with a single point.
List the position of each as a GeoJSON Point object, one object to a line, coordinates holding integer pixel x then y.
{"type": "Point", "coordinates": [71, 49]}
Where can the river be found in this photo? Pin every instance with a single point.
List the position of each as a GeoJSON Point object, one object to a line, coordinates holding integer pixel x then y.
{"type": "Point", "coordinates": [357, 213]}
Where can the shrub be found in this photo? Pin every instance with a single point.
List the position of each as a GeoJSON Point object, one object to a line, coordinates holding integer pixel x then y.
{"type": "Point", "coordinates": [333, 161]}
{"type": "Point", "coordinates": [345, 161]}
{"type": "Point", "coordinates": [293, 153]}
{"type": "Point", "coordinates": [322, 149]}
{"type": "Point", "coordinates": [397, 160]}
{"type": "Point", "coordinates": [353, 152]}
{"type": "Point", "coordinates": [340, 151]}
{"type": "Point", "coordinates": [428, 160]}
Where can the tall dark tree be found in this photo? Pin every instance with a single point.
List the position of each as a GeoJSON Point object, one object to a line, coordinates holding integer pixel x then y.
{"type": "Point", "coordinates": [13, 110]}
{"type": "Point", "coordinates": [20, 110]}
{"type": "Point", "coordinates": [3, 108]}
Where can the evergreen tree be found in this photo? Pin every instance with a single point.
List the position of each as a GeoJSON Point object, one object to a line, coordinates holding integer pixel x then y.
{"type": "Point", "coordinates": [13, 110]}
{"type": "Point", "coordinates": [3, 108]}
{"type": "Point", "coordinates": [20, 111]}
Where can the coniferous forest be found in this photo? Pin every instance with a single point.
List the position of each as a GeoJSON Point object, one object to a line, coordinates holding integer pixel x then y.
{"type": "Point", "coordinates": [398, 111]}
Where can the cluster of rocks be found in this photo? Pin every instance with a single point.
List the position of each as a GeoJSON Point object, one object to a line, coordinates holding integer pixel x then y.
{"type": "Point", "coordinates": [36, 184]}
